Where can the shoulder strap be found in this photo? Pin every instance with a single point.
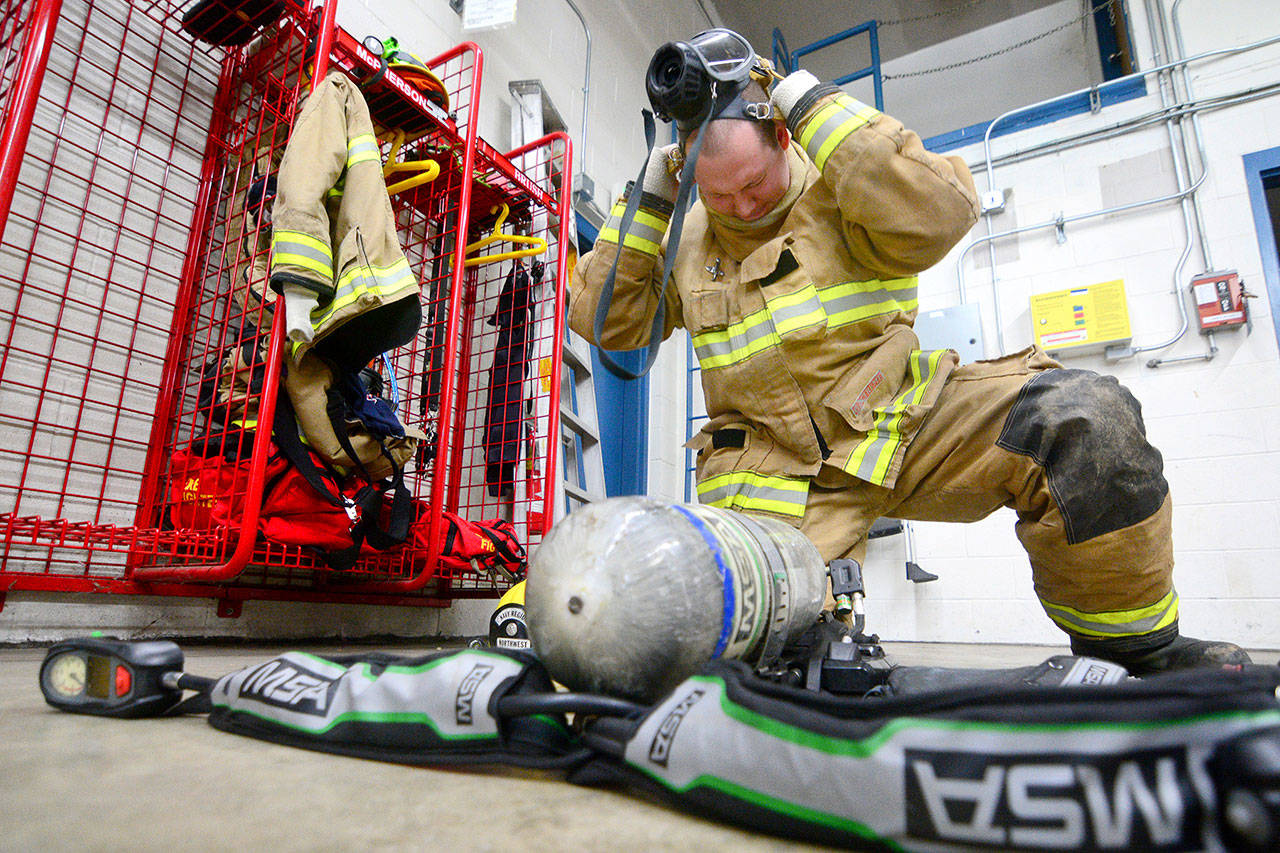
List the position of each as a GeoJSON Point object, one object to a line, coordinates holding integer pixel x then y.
{"type": "Point", "coordinates": [673, 244]}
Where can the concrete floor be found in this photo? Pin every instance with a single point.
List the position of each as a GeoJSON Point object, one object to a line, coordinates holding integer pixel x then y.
{"type": "Point", "coordinates": [73, 782]}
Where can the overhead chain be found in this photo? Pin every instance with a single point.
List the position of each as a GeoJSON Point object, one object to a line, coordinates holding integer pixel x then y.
{"type": "Point", "coordinates": [1008, 49]}
{"type": "Point", "coordinates": [940, 14]}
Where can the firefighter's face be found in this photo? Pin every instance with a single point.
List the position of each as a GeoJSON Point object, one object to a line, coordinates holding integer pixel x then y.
{"type": "Point", "coordinates": [739, 174]}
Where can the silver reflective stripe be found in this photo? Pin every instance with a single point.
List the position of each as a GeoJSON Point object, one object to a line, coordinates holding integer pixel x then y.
{"type": "Point", "coordinates": [836, 305]}
{"type": "Point", "coordinates": [831, 124]}
{"type": "Point", "coordinates": [1119, 623]}
{"type": "Point", "coordinates": [638, 228]}
{"type": "Point", "coordinates": [364, 279]}
{"type": "Point", "coordinates": [361, 149]}
{"type": "Point", "coordinates": [747, 490]}
{"type": "Point", "coordinates": [797, 310]}
{"type": "Point", "coordinates": [871, 458]}
{"type": "Point", "coordinates": [721, 347]}
{"type": "Point", "coordinates": [847, 303]}
{"type": "Point", "coordinates": [301, 250]}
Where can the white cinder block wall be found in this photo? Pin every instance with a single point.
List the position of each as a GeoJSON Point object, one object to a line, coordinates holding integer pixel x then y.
{"type": "Point", "coordinates": [1215, 421]}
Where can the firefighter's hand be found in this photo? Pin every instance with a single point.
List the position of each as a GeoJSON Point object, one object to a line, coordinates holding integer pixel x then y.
{"type": "Point", "coordinates": [660, 174]}
{"type": "Point", "coordinates": [790, 90]}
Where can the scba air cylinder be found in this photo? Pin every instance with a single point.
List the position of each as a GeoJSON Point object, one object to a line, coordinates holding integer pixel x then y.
{"type": "Point", "coordinates": [630, 596]}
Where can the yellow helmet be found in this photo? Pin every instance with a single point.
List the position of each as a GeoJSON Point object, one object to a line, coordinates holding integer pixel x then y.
{"type": "Point", "coordinates": [414, 71]}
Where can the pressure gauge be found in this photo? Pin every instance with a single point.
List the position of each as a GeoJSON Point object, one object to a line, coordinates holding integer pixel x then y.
{"type": "Point", "coordinates": [65, 675]}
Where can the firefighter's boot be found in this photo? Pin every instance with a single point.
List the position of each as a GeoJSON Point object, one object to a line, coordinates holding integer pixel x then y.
{"type": "Point", "coordinates": [1162, 651]}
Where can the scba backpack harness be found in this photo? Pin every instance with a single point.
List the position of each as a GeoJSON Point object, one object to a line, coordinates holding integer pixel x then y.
{"type": "Point", "coordinates": [1181, 761]}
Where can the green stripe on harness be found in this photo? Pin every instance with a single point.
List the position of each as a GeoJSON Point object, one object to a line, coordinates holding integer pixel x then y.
{"type": "Point", "coordinates": [1115, 767]}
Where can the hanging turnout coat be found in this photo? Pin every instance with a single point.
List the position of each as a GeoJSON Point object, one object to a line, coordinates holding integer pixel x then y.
{"type": "Point", "coordinates": [803, 332]}
{"type": "Point", "coordinates": [504, 416]}
{"type": "Point", "coordinates": [333, 228]}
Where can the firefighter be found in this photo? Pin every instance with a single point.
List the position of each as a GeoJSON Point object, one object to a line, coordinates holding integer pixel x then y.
{"type": "Point", "coordinates": [795, 277]}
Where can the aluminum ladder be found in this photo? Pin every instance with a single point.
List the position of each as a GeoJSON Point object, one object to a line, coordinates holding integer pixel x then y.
{"type": "Point", "coordinates": [582, 458]}
{"type": "Point", "coordinates": [581, 479]}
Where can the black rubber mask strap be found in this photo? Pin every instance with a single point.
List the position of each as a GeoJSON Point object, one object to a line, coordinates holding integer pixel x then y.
{"type": "Point", "coordinates": [673, 243]}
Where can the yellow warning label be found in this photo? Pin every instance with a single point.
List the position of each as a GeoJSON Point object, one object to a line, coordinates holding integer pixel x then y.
{"type": "Point", "coordinates": [544, 373]}
{"type": "Point", "coordinates": [1082, 319]}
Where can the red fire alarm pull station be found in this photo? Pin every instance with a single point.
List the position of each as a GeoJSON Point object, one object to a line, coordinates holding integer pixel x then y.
{"type": "Point", "coordinates": [1221, 301]}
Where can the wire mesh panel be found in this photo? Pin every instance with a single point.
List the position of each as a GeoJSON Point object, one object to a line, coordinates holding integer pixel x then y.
{"type": "Point", "coordinates": [142, 347]}
{"type": "Point", "coordinates": [509, 411]}
{"type": "Point", "coordinates": [89, 269]}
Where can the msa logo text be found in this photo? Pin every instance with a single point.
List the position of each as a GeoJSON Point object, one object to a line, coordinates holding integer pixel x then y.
{"type": "Point", "coordinates": [467, 692]}
{"type": "Point", "coordinates": [1053, 802]}
{"type": "Point", "coordinates": [660, 748]}
{"type": "Point", "coordinates": [284, 685]}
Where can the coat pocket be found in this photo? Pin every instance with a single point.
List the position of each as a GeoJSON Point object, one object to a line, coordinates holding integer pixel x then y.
{"type": "Point", "coordinates": [742, 468]}
{"type": "Point", "coordinates": [861, 391]}
{"type": "Point", "coordinates": [706, 310]}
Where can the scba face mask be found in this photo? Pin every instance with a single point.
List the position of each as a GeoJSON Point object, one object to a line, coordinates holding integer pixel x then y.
{"type": "Point", "coordinates": [686, 80]}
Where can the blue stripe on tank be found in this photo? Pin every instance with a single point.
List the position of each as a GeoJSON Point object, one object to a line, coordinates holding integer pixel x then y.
{"type": "Point", "coordinates": [726, 578]}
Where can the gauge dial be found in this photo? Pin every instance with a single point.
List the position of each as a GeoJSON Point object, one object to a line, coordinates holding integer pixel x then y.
{"type": "Point", "coordinates": [66, 675]}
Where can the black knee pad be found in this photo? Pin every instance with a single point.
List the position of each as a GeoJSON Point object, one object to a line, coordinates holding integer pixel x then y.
{"type": "Point", "coordinates": [1086, 431]}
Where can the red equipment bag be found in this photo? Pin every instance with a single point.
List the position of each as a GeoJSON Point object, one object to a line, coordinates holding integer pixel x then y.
{"type": "Point", "coordinates": [209, 492]}
{"type": "Point", "coordinates": [488, 546]}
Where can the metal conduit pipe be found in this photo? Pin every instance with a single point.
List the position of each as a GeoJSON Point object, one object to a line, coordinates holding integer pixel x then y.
{"type": "Point", "coordinates": [1120, 129]}
{"type": "Point", "coordinates": [1059, 223]}
{"type": "Point", "coordinates": [1225, 51]}
{"type": "Point", "coordinates": [1154, 117]}
{"type": "Point", "coordinates": [1190, 203]}
{"type": "Point", "coordinates": [1196, 135]}
{"type": "Point", "coordinates": [586, 87]}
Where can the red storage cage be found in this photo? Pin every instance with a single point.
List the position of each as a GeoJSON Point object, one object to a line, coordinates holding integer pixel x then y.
{"type": "Point", "coordinates": [138, 332]}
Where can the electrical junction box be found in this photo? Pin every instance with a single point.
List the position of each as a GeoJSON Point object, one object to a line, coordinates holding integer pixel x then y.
{"type": "Point", "coordinates": [1081, 320]}
{"type": "Point", "coordinates": [1220, 300]}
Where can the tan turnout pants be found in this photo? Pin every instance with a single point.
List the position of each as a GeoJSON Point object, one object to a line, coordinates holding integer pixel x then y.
{"type": "Point", "coordinates": [1103, 568]}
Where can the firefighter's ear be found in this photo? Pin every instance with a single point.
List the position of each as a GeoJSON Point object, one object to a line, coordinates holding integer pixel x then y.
{"type": "Point", "coordinates": [783, 135]}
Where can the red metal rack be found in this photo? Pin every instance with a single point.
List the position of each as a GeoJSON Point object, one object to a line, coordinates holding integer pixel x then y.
{"type": "Point", "coordinates": [134, 263]}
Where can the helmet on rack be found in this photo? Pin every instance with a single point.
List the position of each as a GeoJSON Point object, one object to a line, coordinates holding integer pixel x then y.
{"type": "Point", "coordinates": [410, 68]}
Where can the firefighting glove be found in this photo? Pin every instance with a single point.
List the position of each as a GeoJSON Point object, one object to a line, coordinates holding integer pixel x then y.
{"type": "Point", "coordinates": [660, 174]}
{"type": "Point", "coordinates": [796, 93]}
{"type": "Point", "coordinates": [299, 301]}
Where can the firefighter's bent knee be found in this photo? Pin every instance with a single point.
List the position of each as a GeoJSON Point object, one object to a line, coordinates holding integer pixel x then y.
{"type": "Point", "coordinates": [1086, 431]}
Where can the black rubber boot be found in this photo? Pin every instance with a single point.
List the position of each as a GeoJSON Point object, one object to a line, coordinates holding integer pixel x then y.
{"type": "Point", "coordinates": [1161, 651]}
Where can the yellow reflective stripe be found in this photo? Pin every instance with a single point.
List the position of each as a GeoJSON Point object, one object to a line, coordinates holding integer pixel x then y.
{"type": "Point", "coordinates": [633, 240]}
{"type": "Point", "coordinates": [643, 217]}
{"type": "Point", "coordinates": [362, 149]}
{"type": "Point", "coordinates": [747, 491]}
{"type": "Point", "coordinates": [740, 340]}
{"type": "Point", "coordinates": [836, 305]}
{"type": "Point", "coordinates": [798, 310]}
{"type": "Point", "coordinates": [871, 457]}
{"type": "Point", "coordinates": [302, 250]}
{"type": "Point", "coordinates": [1115, 623]}
{"type": "Point", "coordinates": [818, 120]}
{"type": "Point", "coordinates": [365, 279]}
{"type": "Point", "coordinates": [831, 124]}
{"type": "Point", "coordinates": [854, 301]}
{"type": "Point", "coordinates": [645, 233]}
